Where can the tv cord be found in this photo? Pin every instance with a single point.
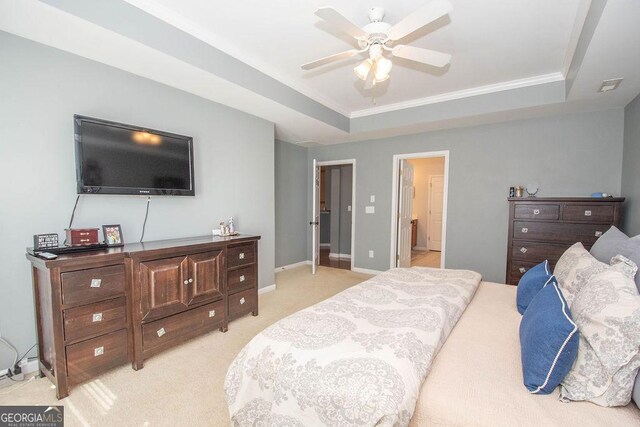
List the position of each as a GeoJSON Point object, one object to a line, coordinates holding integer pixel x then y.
{"type": "Point", "coordinates": [146, 215]}
{"type": "Point", "coordinates": [73, 214]}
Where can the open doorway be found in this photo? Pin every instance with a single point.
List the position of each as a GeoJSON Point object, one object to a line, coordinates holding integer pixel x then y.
{"type": "Point", "coordinates": [419, 209]}
{"type": "Point", "coordinates": [334, 196]}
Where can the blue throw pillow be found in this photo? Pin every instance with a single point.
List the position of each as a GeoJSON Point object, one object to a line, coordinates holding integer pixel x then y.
{"type": "Point", "coordinates": [531, 283]}
{"type": "Point", "coordinates": [548, 340]}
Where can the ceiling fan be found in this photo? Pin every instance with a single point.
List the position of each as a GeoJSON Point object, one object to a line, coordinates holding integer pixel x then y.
{"type": "Point", "coordinates": [379, 37]}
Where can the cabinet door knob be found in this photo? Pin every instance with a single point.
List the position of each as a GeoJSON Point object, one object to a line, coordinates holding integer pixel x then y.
{"type": "Point", "coordinates": [536, 211]}
{"type": "Point", "coordinates": [186, 282]}
{"type": "Point", "coordinates": [587, 213]}
{"type": "Point", "coordinates": [96, 283]}
{"type": "Point", "coordinates": [212, 313]}
{"type": "Point", "coordinates": [525, 230]}
{"type": "Point", "coordinates": [242, 278]}
{"type": "Point", "coordinates": [598, 233]}
{"type": "Point", "coordinates": [523, 250]}
{"type": "Point", "coordinates": [190, 280]}
{"type": "Point", "coordinates": [242, 301]}
{"type": "Point", "coordinates": [98, 351]}
{"type": "Point", "coordinates": [522, 269]}
{"type": "Point", "coordinates": [97, 317]}
{"type": "Point", "coordinates": [241, 255]}
{"type": "Point", "coordinates": [160, 332]}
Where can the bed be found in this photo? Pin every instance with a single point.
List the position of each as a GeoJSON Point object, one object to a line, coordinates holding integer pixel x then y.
{"type": "Point", "coordinates": [359, 359]}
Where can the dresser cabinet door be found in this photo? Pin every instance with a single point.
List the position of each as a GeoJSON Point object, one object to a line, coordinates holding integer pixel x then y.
{"type": "Point", "coordinates": [164, 284]}
{"type": "Point", "coordinates": [205, 282]}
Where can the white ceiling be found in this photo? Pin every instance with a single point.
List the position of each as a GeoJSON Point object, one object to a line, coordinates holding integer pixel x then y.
{"type": "Point", "coordinates": [511, 58]}
{"type": "Point", "coordinates": [491, 42]}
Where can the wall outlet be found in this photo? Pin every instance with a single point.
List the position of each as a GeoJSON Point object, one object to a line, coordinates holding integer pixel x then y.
{"type": "Point", "coordinates": [370, 254]}
{"type": "Point", "coordinates": [370, 209]}
{"type": "Point", "coordinates": [349, 208]}
{"type": "Point", "coordinates": [372, 198]}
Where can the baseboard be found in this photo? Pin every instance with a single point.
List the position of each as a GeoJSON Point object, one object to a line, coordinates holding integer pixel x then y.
{"type": "Point", "coordinates": [266, 289]}
{"type": "Point", "coordinates": [294, 265]}
{"type": "Point", "coordinates": [366, 271]}
{"type": "Point", "coordinates": [420, 248]}
{"type": "Point", "coordinates": [30, 366]}
{"type": "Point", "coordinates": [345, 256]}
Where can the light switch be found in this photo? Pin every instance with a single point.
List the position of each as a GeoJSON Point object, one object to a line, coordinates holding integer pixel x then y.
{"type": "Point", "coordinates": [349, 208]}
{"type": "Point", "coordinates": [370, 209]}
{"type": "Point", "coordinates": [370, 254]}
{"type": "Point", "coordinates": [372, 198]}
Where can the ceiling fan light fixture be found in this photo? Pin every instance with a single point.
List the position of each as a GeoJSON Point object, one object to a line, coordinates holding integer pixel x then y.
{"type": "Point", "coordinates": [383, 68]}
{"type": "Point", "coordinates": [362, 70]}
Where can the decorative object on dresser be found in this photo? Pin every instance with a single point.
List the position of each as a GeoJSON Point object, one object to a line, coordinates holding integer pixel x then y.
{"type": "Point", "coordinates": [45, 241]}
{"type": "Point", "coordinates": [112, 235]}
{"type": "Point", "coordinates": [98, 310]}
{"type": "Point", "coordinates": [82, 236]}
{"type": "Point", "coordinates": [544, 227]}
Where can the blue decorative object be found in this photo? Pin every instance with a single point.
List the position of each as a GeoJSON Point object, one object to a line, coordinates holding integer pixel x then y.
{"type": "Point", "coordinates": [548, 341]}
{"type": "Point", "coordinates": [597, 195]}
{"type": "Point", "coordinates": [531, 283]}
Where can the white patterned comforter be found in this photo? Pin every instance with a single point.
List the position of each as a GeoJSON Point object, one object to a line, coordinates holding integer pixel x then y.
{"type": "Point", "coordinates": [357, 358]}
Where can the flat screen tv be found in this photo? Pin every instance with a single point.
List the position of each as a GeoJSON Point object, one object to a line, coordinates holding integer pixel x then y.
{"type": "Point", "coordinates": [115, 158]}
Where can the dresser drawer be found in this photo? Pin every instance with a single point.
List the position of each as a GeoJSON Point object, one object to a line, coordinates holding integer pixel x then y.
{"type": "Point", "coordinates": [89, 358]}
{"type": "Point", "coordinates": [537, 211]}
{"type": "Point", "coordinates": [177, 328]}
{"type": "Point", "coordinates": [242, 303]}
{"type": "Point", "coordinates": [95, 319]}
{"type": "Point", "coordinates": [240, 279]}
{"type": "Point", "coordinates": [241, 255]}
{"type": "Point", "coordinates": [95, 284]}
{"type": "Point", "coordinates": [536, 251]}
{"type": "Point", "coordinates": [558, 232]}
{"type": "Point", "coordinates": [589, 213]}
{"type": "Point", "coordinates": [518, 268]}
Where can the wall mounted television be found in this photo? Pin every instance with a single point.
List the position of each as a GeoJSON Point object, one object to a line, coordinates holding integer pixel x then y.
{"type": "Point", "coordinates": [116, 158]}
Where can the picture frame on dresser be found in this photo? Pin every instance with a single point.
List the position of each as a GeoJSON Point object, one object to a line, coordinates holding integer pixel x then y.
{"type": "Point", "coordinates": [542, 228]}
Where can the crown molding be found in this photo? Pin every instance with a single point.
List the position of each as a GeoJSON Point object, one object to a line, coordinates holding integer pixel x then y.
{"type": "Point", "coordinates": [466, 93]}
{"type": "Point", "coordinates": [175, 19]}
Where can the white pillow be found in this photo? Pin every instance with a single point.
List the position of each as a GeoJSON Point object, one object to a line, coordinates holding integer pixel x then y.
{"type": "Point", "coordinates": [574, 268]}
{"type": "Point", "coordinates": [607, 312]}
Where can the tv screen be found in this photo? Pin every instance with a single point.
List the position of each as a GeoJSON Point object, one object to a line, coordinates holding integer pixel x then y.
{"type": "Point", "coordinates": [115, 158]}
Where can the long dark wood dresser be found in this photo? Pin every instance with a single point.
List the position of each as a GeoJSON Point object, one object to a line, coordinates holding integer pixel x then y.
{"type": "Point", "coordinates": [98, 310]}
{"type": "Point", "coordinates": [543, 228]}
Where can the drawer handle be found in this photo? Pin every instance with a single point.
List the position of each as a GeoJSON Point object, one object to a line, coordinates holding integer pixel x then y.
{"type": "Point", "coordinates": [242, 278]}
{"type": "Point", "coordinates": [241, 255]}
{"type": "Point", "coordinates": [84, 234]}
{"type": "Point", "coordinates": [190, 280]}
{"type": "Point", "coordinates": [525, 230]}
{"type": "Point", "coordinates": [587, 213]}
{"type": "Point", "coordinates": [212, 313]}
{"type": "Point", "coordinates": [84, 240]}
{"type": "Point", "coordinates": [522, 270]}
{"type": "Point", "coordinates": [96, 283]}
{"type": "Point", "coordinates": [161, 332]}
{"type": "Point", "coordinates": [598, 233]}
{"type": "Point", "coordinates": [536, 211]}
{"type": "Point", "coordinates": [97, 317]}
{"type": "Point", "coordinates": [523, 250]}
{"type": "Point", "coordinates": [98, 351]}
{"type": "Point", "coordinates": [186, 281]}
{"type": "Point", "coordinates": [242, 301]}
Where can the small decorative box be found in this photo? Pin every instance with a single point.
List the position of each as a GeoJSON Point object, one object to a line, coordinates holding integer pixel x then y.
{"type": "Point", "coordinates": [82, 236]}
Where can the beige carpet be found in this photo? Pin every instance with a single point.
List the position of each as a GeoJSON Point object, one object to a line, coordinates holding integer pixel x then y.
{"type": "Point", "coordinates": [184, 385]}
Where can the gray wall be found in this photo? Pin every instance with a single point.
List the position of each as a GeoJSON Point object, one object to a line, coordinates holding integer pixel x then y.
{"type": "Point", "coordinates": [570, 155]}
{"type": "Point", "coordinates": [292, 224]}
{"type": "Point", "coordinates": [41, 88]}
{"type": "Point", "coordinates": [631, 167]}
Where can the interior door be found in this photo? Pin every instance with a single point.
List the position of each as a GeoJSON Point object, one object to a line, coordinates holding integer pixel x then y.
{"type": "Point", "coordinates": [405, 209]}
{"type": "Point", "coordinates": [315, 222]}
{"type": "Point", "coordinates": [436, 200]}
{"type": "Point", "coordinates": [163, 284]}
{"type": "Point", "coordinates": [205, 281]}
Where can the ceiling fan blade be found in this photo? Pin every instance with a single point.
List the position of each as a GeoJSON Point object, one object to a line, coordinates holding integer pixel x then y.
{"type": "Point", "coordinates": [329, 59]}
{"type": "Point", "coordinates": [425, 15]}
{"type": "Point", "coordinates": [371, 81]}
{"type": "Point", "coordinates": [338, 20]}
{"type": "Point", "coordinates": [425, 56]}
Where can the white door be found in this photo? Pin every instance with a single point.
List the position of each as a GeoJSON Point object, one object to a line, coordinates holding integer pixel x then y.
{"type": "Point", "coordinates": [436, 201]}
{"type": "Point", "coordinates": [315, 221]}
{"type": "Point", "coordinates": [405, 209]}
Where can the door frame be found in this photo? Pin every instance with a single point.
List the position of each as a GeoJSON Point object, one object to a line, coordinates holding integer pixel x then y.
{"type": "Point", "coordinates": [351, 162]}
{"type": "Point", "coordinates": [394, 201]}
{"type": "Point", "coordinates": [429, 210]}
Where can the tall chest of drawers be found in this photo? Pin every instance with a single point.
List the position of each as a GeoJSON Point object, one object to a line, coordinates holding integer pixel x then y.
{"type": "Point", "coordinates": [543, 228]}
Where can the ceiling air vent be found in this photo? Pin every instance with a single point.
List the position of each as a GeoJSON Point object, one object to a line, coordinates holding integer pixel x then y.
{"type": "Point", "coordinates": [609, 85]}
